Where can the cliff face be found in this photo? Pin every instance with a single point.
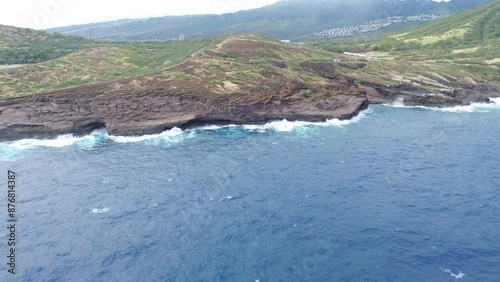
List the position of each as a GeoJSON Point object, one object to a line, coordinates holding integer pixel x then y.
{"type": "Point", "coordinates": [153, 104]}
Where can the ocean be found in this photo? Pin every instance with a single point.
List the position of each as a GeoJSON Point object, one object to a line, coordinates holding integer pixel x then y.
{"type": "Point", "coordinates": [396, 194]}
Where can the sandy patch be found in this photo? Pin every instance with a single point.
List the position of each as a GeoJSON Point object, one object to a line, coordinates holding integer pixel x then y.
{"type": "Point", "coordinates": [467, 50]}
{"type": "Point", "coordinates": [228, 85]}
{"type": "Point", "coordinates": [494, 61]}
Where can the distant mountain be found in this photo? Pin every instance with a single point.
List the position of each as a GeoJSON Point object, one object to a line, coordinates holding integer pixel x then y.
{"type": "Point", "coordinates": [22, 45]}
{"type": "Point", "coordinates": [285, 20]}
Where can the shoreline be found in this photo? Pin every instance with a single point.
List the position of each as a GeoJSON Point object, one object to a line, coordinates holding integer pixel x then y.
{"type": "Point", "coordinates": [200, 124]}
{"type": "Point", "coordinates": [193, 124]}
{"type": "Point", "coordinates": [151, 105]}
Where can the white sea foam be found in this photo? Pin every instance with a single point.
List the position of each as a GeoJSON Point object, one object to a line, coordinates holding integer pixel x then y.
{"type": "Point", "coordinates": [134, 139]}
{"type": "Point", "coordinates": [60, 141]}
{"type": "Point", "coordinates": [100, 210]}
{"type": "Point", "coordinates": [287, 126]}
{"type": "Point", "coordinates": [460, 274]}
{"type": "Point", "coordinates": [214, 127]}
{"type": "Point", "coordinates": [473, 107]}
{"type": "Point", "coordinates": [279, 126]}
{"type": "Point", "coordinates": [226, 198]}
{"type": "Point", "coordinates": [496, 101]}
{"type": "Point", "coordinates": [399, 103]}
{"type": "Point", "coordinates": [11, 149]}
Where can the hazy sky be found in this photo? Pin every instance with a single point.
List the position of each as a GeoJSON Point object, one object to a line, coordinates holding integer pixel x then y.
{"type": "Point", "coordinates": [41, 14]}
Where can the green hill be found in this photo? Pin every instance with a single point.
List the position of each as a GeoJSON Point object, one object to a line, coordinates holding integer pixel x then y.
{"type": "Point", "coordinates": [21, 46]}
{"type": "Point", "coordinates": [464, 45]}
{"type": "Point", "coordinates": [97, 64]}
{"type": "Point", "coordinates": [479, 26]}
{"type": "Point", "coordinates": [233, 60]}
{"type": "Point", "coordinates": [46, 61]}
{"type": "Point", "coordinates": [468, 41]}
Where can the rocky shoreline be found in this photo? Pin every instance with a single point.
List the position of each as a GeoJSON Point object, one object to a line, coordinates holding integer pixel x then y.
{"type": "Point", "coordinates": [140, 111]}
{"type": "Point", "coordinates": [225, 84]}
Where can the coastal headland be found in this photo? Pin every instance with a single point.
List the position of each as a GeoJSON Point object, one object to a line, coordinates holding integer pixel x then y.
{"type": "Point", "coordinates": [242, 80]}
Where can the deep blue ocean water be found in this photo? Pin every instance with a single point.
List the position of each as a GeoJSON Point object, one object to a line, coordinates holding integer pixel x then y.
{"type": "Point", "coordinates": [397, 194]}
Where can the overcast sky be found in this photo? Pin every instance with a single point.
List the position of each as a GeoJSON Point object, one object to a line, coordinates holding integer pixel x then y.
{"type": "Point", "coordinates": [41, 14]}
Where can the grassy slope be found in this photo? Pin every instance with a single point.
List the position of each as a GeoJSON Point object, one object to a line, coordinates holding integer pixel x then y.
{"type": "Point", "coordinates": [476, 26]}
{"type": "Point", "coordinates": [469, 41]}
{"type": "Point", "coordinates": [113, 61]}
{"type": "Point", "coordinates": [229, 62]}
{"type": "Point", "coordinates": [20, 46]}
{"type": "Point", "coordinates": [464, 46]}
{"type": "Point", "coordinates": [97, 62]}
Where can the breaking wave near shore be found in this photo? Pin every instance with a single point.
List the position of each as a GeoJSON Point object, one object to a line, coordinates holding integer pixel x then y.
{"type": "Point", "coordinates": [172, 136]}
{"type": "Point", "coordinates": [473, 107]}
{"type": "Point", "coordinates": [175, 135]}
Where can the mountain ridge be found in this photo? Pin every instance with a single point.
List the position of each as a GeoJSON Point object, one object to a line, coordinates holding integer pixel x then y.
{"type": "Point", "coordinates": [283, 20]}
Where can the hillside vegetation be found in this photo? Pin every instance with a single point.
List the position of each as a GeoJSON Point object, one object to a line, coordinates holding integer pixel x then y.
{"type": "Point", "coordinates": [92, 62]}
{"type": "Point", "coordinates": [465, 44]}
{"type": "Point", "coordinates": [226, 61]}
{"type": "Point", "coordinates": [476, 27]}
{"type": "Point", "coordinates": [22, 46]}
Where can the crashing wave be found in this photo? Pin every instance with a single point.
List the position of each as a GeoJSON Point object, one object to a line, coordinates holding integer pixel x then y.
{"type": "Point", "coordinates": [285, 125]}
{"type": "Point", "coordinates": [495, 101]}
{"type": "Point", "coordinates": [473, 107]}
{"type": "Point", "coordinates": [12, 149]}
{"type": "Point", "coordinates": [60, 141]}
{"type": "Point", "coordinates": [288, 126]}
{"type": "Point", "coordinates": [174, 132]}
{"type": "Point", "coordinates": [9, 150]}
